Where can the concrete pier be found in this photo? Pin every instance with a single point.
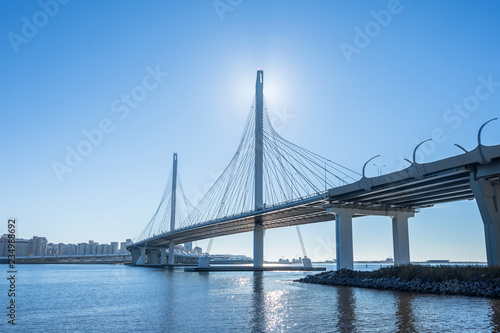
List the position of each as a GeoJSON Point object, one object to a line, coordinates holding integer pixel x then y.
{"type": "Point", "coordinates": [487, 196]}
{"type": "Point", "coordinates": [343, 234]}
{"type": "Point", "coordinates": [400, 237]}
{"type": "Point", "coordinates": [142, 258]}
{"type": "Point", "coordinates": [163, 254]}
{"type": "Point", "coordinates": [171, 248]}
{"type": "Point", "coordinates": [258, 246]}
{"type": "Point", "coordinates": [238, 268]}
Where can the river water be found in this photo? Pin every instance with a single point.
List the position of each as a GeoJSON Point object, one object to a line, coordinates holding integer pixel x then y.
{"type": "Point", "coordinates": [116, 298]}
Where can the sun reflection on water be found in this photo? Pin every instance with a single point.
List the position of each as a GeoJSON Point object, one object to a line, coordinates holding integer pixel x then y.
{"type": "Point", "coordinates": [276, 308]}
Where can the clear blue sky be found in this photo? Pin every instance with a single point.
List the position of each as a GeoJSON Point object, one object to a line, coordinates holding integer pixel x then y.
{"type": "Point", "coordinates": [344, 94]}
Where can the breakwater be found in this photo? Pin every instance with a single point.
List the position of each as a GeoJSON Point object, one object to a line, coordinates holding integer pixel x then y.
{"type": "Point", "coordinates": [480, 285]}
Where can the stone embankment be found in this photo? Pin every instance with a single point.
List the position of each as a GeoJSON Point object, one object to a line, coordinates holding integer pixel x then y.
{"type": "Point", "coordinates": [345, 277]}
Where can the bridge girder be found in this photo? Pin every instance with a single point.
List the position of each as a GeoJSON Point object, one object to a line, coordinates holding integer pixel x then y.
{"type": "Point", "coordinates": [440, 181]}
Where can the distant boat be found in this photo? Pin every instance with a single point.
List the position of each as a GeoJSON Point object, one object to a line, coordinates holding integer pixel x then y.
{"type": "Point", "coordinates": [438, 261]}
{"type": "Point", "coordinates": [388, 260]}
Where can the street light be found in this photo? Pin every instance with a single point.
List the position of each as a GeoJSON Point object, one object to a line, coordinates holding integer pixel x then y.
{"type": "Point", "coordinates": [364, 166]}
{"type": "Point", "coordinates": [379, 168]}
{"type": "Point", "coordinates": [480, 146]}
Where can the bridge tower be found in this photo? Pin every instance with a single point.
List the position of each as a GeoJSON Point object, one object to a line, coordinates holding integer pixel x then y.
{"type": "Point", "coordinates": [258, 233]}
{"type": "Point", "coordinates": [172, 210]}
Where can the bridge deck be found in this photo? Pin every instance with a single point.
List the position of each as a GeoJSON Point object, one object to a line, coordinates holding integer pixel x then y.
{"type": "Point", "coordinates": [440, 181]}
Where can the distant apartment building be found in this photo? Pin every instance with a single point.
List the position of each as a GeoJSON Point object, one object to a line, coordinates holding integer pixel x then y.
{"type": "Point", "coordinates": [104, 249]}
{"type": "Point", "coordinates": [114, 247]}
{"type": "Point", "coordinates": [22, 246]}
{"type": "Point", "coordinates": [61, 249]}
{"type": "Point", "coordinates": [123, 246]}
{"type": "Point", "coordinates": [93, 247]}
{"type": "Point", "coordinates": [52, 249]}
{"type": "Point", "coordinates": [4, 245]}
{"type": "Point", "coordinates": [38, 246]}
{"type": "Point", "coordinates": [69, 249]}
{"type": "Point", "coordinates": [82, 248]}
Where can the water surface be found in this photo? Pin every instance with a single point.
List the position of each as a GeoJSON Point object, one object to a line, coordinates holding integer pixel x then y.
{"type": "Point", "coordinates": [115, 298]}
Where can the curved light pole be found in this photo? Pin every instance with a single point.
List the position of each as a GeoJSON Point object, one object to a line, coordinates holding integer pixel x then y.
{"type": "Point", "coordinates": [414, 153]}
{"type": "Point", "coordinates": [364, 166]}
{"type": "Point", "coordinates": [479, 139]}
{"type": "Point", "coordinates": [459, 146]}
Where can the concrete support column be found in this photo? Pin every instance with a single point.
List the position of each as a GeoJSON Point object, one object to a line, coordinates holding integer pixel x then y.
{"type": "Point", "coordinates": [152, 257]}
{"type": "Point", "coordinates": [343, 233]}
{"type": "Point", "coordinates": [163, 254]}
{"type": "Point", "coordinates": [171, 247]}
{"type": "Point", "coordinates": [142, 259]}
{"type": "Point", "coordinates": [400, 238]}
{"type": "Point", "coordinates": [306, 262]}
{"type": "Point", "coordinates": [487, 196]}
{"type": "Point", "coordinates": [204, 262]}
{"type": "Point", "coordinates": [258, 246]}
{"type": "Point", "coordinates": [136, 254]}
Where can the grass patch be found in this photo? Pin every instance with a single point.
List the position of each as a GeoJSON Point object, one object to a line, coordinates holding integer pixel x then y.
{"type": "Point", "coordinates": [437, 273]}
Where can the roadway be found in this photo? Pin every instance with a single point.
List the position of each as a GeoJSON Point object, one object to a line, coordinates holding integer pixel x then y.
{"type": "Point", "coordinates": [417, 186]}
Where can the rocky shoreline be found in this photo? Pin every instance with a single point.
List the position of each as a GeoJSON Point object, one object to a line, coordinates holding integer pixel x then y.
{"type": "Point", "coordinates": [345, 277]}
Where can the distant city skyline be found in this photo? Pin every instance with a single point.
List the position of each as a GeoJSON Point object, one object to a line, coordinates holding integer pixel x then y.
{"type": "Point", "coordinates": [94, 109]}
{"type": "Point", "coordinates": [40, 246]}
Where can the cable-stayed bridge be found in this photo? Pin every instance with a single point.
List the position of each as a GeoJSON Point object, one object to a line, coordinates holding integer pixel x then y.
{"type": "Point", "coordinates": [271, 183]}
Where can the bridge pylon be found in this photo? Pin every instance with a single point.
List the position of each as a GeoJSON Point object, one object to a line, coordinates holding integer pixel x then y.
{"type": "Point", "coordinates": [171, 245]}
{"type": "Point", "coordinates": [151, 255]}
{"type": "Point", "coordinates": [258, 233]}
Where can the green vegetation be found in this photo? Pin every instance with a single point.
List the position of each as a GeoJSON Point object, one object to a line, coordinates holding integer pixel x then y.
{"type": "Point", "coordinates": [437, 273]}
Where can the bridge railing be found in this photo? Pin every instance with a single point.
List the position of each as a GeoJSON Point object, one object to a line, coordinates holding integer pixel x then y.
{"type": "Point", "coordinates": [232, 216]}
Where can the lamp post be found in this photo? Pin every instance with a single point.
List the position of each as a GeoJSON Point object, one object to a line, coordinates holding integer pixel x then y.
{"type": "Point", "coordinates": [379, 168]}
